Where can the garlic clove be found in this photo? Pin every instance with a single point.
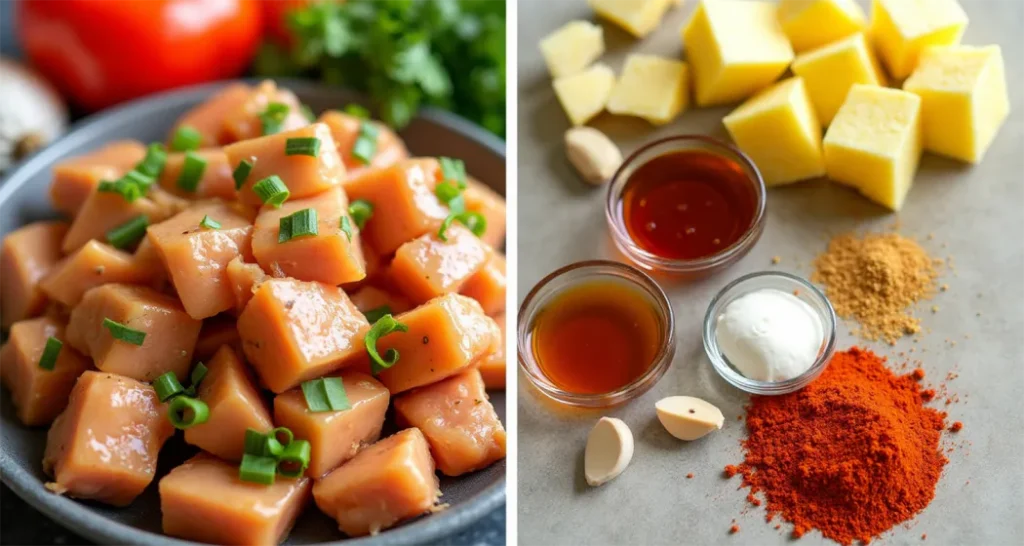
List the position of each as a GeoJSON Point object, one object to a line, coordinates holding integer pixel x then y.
{"type": "Point", "coordinates": [609, 450]}
{"type": "Point", "coordinates": [593, 154]}
{"type": "Point", "coordinates": [687, 417]}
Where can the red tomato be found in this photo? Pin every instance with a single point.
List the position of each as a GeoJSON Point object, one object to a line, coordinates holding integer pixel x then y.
{"type": "Point", "coordinates": [100, 52]}
{"type": "Point", "coordinates": [275, 18]}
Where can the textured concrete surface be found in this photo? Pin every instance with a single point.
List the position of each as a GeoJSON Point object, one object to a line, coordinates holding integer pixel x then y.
{"type": "Point", "coordinates": [975, 215]}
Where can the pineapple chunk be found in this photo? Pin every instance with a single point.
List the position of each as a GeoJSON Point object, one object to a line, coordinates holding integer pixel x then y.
{"type": "Point", "coordinates": [813, 23]}
{"type": "Point", "coordinates": [638, 17]}
{"type": "Point", "coordinates": [963, 99]}
{"type": "Point", "coordinates": [830, 71]}
{"type": "Point", "coordinates": [777, 128]}
{"type": "Point", "coordinates": [583, 95]}
{"type": "Point", "coordinates": [901, 29]}
{"type": "Point", "coordinates": [651, 87]}
{"type": "Point", "coordinates": [874, 143]}
{"type": "Point", "coordinates": [736, 48]}
{"type": "Point", "coordinates": [572, 47]}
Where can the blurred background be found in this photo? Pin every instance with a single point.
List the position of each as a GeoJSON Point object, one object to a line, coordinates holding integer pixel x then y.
{"type": "Point", "coordinates": [61, 61]}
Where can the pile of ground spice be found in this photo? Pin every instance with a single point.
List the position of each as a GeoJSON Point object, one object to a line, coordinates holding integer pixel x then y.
{"type": "Point", "coordinates": [875, 279]}
{"type": "Point", "coordinates": [852, 454]}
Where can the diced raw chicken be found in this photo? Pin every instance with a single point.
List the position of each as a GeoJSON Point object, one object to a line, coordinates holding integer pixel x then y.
{"type": "Point", "coordinates": [244, 279]}
{"type": "Point", "coordinates": [369, 298]}
{"type": "Point", "coordinates": [75, 178]}
{"type": "Point", "coordinates": [216, 180]}
{"type": "Point", "coordinates": [492, 366]}
{"type": "Point", "coordinates": [386, 483]}
{"type": "Point", "coordinates": [103, 211]}
{"type": "Point", "coordinates": [104, 446]}
{"type": "Point", "coordinates": [481, 198]}
{"type": "Point", "coordinates": [461, 426]}
{"type": "Point", "coordinates": [487, 286]}
{"type": "Point", "coordinates": [28, 255]}
{"type": "Point", "coordinates": [208, 117]}
{"type": "Point", "coordinates": [243, 121]}
{"type": "Point", "coordinates": [94, 264]}
{"type": "Point", "coordinates": [427, 267]}
{"type": "Point", "coordinates": [346, 128]}
{"type": "Point", "coordinates": [216, 331]}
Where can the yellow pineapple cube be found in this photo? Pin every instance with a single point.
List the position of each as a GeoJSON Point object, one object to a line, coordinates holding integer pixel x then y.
{"type": "Point", "coordinates": [963, 99]}
{"type": "Point", "coordinates": [650, 87]}
{"type": "Point", "coordinates": [572, 47]}
{"type": "Point", "coordinates": [901, 29]}
{"type": "Point", "coordinates": [831, 70]}
{"type": "Point", "coordinates": [638, 17]}
{"type": "Point", "coordinates": [778, 130]}
{"type": "Point", "coordinates": [874, 143]}
{"type": "Point", "coordinates": [813, 23]}
{"type": "Point", "coordinates": [583, 95]}
{"type": "Point", "coordinates": [735, 48]}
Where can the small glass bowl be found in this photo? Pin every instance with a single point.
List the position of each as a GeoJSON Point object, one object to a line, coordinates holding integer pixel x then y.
{"type": "Point", "coordinates": [786, 283]}
{"type": "Point", "coordinates": [685, 268]}
{"type": "Point", "coordinates": [581, 273]}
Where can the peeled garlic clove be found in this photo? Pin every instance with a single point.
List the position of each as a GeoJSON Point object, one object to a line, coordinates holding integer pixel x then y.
{"type": "Point", "coordinates": [688, 418]}
{"type": "Point", "coordinates": [609, 450]}
{"type": "Point", "coordinates": [593, 154]}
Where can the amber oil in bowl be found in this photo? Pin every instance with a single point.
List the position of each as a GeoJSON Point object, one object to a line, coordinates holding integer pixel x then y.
{"type": "Point", "coordinates": [595, 334]}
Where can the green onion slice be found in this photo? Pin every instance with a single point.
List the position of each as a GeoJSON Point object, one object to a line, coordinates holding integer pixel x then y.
{"type": "Point", "coordinates": [302, 146]}
{"type": "Point", "coordinates": [293, 462]}
{"type": "Point", "coordinates": [272, 191]}
{"type": "Point", "coordinates": [209, 223]}
{"type": "Point", "coordinates": [382, 327]}
{"type": "Point", "coordinates": [50, 353]}
{"type": "Point", "coordinates": [375, 314]}
{"type": "Point", "coordinates": [186, 138]}
{"type": "Point", "coordinates": [300, 224]}
{"type": "Point", "coordinates": [123, 333]}
{"type": "Point", "coordinates": [198, 373]}
{"type": "Point", "coordinates": [358, 111]}
{"type": "Point", "coordinates": [129, 191]}
{"type": "Point", "coordinates": [346, 227]}
{"type": "Point", "coordinates": [365, 146]}
{"type": "Point", "coordinates": [167, 387]}
{"type": "Point", "coordinates": [241, 172]}
{"type": "Point", "coordinates": [153, 163]}
{"type": "Point", "coordinates": [454, 170]}
{"type": "Point", "coordinates": [255, 442]}
{"type": "Point", "coordinates": [451, 195]}
{"type": "Point", "coordinates": [325, 394]}
{"type": "Point", "coordinates": [361, 211]}
{"type": "Point", "coordinates": [272, 119]}
{"type": "Point", "coordinates": [128, 233]}
{"type": "Point", "coordinates": [282, 435]}
{"type": "Point", "coordinates": [257, 469]}
{"type": "Point", "coordinates": [191, 172]}
{"type": "Point", "coordinates": [472, 220]}
{"type": "Point", "coordinates": [187, 412]}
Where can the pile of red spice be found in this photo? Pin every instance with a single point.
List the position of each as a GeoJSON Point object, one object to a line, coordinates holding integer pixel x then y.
{"type": "Point", "coordinates": [852, 454]}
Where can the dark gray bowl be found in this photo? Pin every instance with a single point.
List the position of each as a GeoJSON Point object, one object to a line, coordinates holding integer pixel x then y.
{"type": "Point", "coordinates": [24, 198]}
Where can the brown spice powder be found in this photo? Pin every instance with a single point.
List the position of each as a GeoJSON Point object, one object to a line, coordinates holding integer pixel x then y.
{"type": "Point", "coordinates": [875, 279]}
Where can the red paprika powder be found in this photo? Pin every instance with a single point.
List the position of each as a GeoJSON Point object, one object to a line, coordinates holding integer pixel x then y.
{"type": "Point", "coordinates": [852, 454]}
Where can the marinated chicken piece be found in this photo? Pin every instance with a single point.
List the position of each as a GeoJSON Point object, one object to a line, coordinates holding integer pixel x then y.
{"type": "Point", "coordinates": [103, 211]}
{"type": "Point", "coordinates": [170, 334]}
{"type": "Point", "coordinates": [104, 445]}
{"type": "Point", "coordinates": [461, 426]}
{"type": "Point", "coordinates": [346, 129]}
{"type": "Point", "coordinates": [481, 198]}
{"type": "Point", "coordinates": [76, 178]}
{"type": "Point", "coordinates": [208, 117]}
{"type": "Point", "coordinates": [205, 501]}
{"type": "Point", "coordinates": [245, 119]}
{"type": "Point", "coordinates": [39, 394]}
{"type": "Point", "coordinates": [28, 255]}
{"type": "Point", "coordinates": [293, 331]}
{"type": "Point", "coordinates": [492, 366]}
{"type": "Point", "coordinates": [235, 405]}
{"type": "Point", "coordinates": [92, 265]}
{"type": "Point", "coordinates": [386, 483]}
{"type": "Point", "coordinates": [244, 279]}
{"type": "Point", "coordinates": [370, 298]}
{"type": "Point", "coordinates": [487, 286]}
{"type": "Point", "coordinates": [335, 436]}
{"type": "Point", "coordinates": [427, 267]}
{"type": "Point", "coordinates": [216, 179]}
{"type": "Point", "coordinates": [216, 331]}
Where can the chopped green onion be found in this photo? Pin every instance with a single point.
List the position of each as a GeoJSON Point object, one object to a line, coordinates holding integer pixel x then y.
{"type": "Point", "coordinates": [187, 412]}
{"type": "Point", "coordinates": [50, 353]}
{"type": "Point", "coordinates": [300, 224]}
{"type": "Point", "coordinates": [454, 170]}
{"type": "Point", "coordinates": [198, 373]}
{"type": "Point", "coordinates": [191, 172]}
{"type": "Point", "coordinates": [302, 146]}
{"type": "Point", "coordinates": [123, 333]}
{"type": "Point", "coordinates": [255, 442]}
{"type": "Point", "coordinates": [373, 315]}
{"type": "Point", "coordinates": [307, 112]}
{"type": "Point", "coordinates": [293, 462]}
{"type": "Point", "coordinates": [167, 386]}
{"type": "Point", "coordinates": [271, 190]}
{"type": "Point", "coordinates": [241, 172]}
{"type": "Point", "coordinates": [326, 394]}
{"type": "Point", "coordinates": [130, 192]}
{"type": "Point", "coordinates": [346, 227]}
{"type": "Point", "coordinates": [138, 178]}
{"type": "Point", "coordinates": [209, 223]}
{"type": "Point", "coordinates": [186, 138]}
{"type": "Point", "coordinates": [280, 432]}
{"type": "Point", "coordinates": [272, 119]}
{"type": "Point", "coordinates": [382, 327]}
{"type": "Point", "coordinates": [361, 211]}
{"type": "Point", "coordinates": [257, 469]}
{"type": "Point", "coordinates": [472, 220]}
{"type": "Point", "coordinates": [358, 111]}
{"type": "Point", "coordinates": [153, 164]}
{"type": "Point", "coordinates": [451, 195]}
{"type": "Point", "coordinates": [128, 233]}
{"type": "Point", "coordinates": [365, 146]}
